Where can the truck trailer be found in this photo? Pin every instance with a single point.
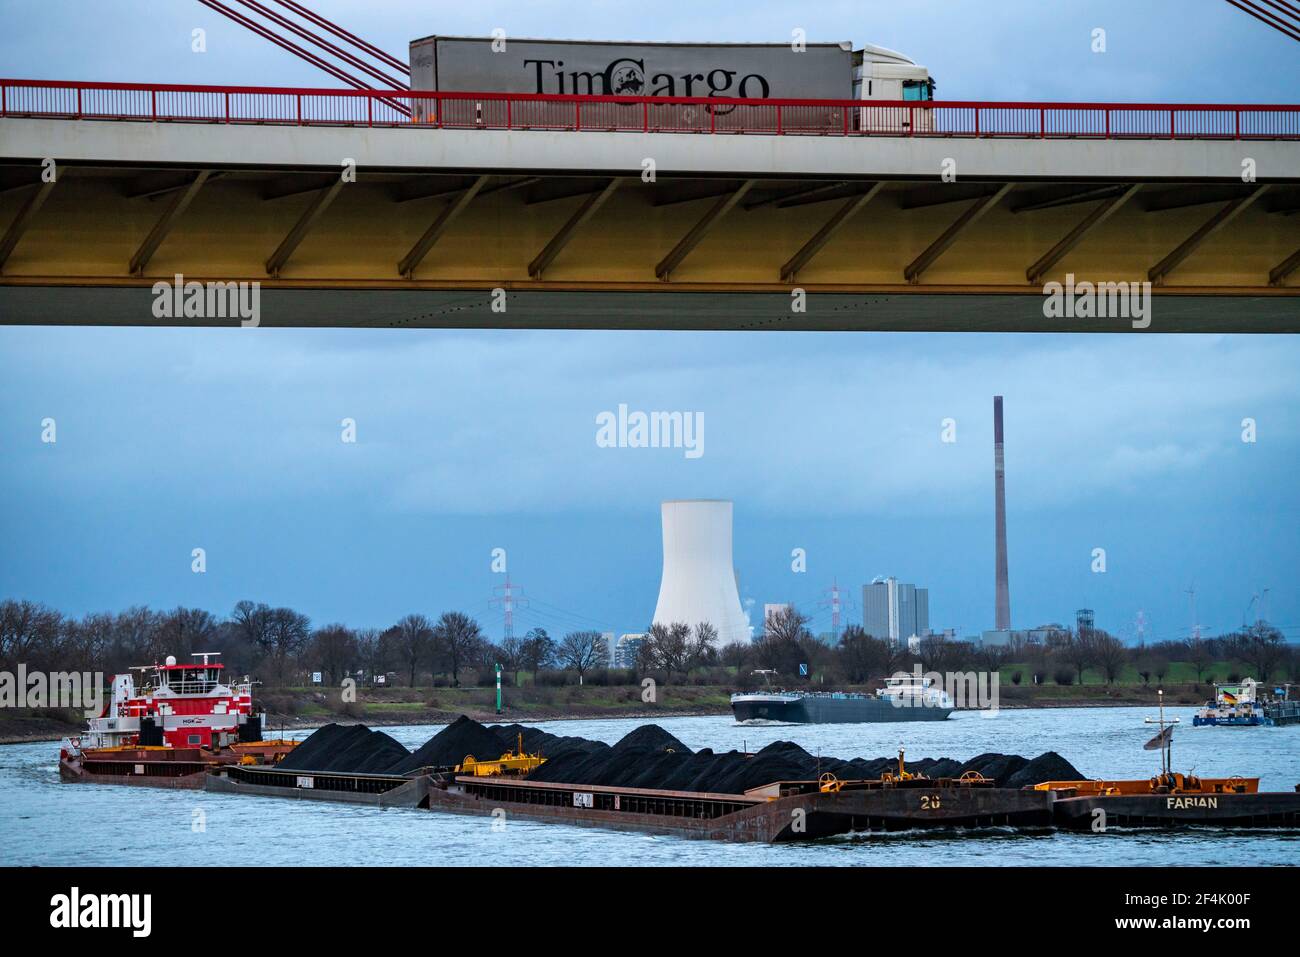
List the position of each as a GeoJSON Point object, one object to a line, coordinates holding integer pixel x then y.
{"type": "Point", "coordinates": [818, 71]}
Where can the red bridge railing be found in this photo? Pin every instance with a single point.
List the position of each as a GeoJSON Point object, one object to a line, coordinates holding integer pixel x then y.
{"type": "Point", "coordinates": [652, 114]}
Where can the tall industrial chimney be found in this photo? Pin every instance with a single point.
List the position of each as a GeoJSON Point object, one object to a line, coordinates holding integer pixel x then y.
{"type": "Point", "coordinates": [1000, 514]}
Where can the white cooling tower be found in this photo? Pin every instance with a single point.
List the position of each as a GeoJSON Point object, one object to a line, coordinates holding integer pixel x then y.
{"type": "Point", "coordinates": [699, 580]}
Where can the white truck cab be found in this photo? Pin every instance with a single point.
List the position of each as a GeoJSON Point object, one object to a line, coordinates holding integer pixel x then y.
{"type": "Point", "coordinates": [882, 74]}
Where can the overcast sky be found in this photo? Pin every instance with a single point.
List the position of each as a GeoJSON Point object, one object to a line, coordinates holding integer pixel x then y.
{"type": "Point", "coordinates": [1156, 50]}
{"type": "Point", "coordinates": [229, 439]}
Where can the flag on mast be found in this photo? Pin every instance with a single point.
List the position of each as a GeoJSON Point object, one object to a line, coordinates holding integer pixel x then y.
{"type": "Point", "coordinates": [1160, 740]}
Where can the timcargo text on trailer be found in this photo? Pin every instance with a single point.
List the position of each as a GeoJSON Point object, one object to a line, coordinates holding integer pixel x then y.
{"type": "Point", "coordinates": [818, 71]}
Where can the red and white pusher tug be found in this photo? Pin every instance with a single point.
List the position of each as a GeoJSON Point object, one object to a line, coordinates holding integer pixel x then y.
{"type": "Point", "coordinates": [181, 721]}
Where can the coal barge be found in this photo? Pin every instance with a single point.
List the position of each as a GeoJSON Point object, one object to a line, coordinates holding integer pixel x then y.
{"type": "Point", "coordinates": [897, 798]}
{"type": "Point", "coordinates": [778, 812]}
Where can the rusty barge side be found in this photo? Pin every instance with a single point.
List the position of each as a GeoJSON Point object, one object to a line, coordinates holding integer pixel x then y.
{"type": "Point", "coordinates": [379, 790]}
{"type": "Point", "coordinates": [148, 767]}
{"type": "Point", "coordinates": [785, 811]}
{"type": "Point", "coordinates": [163, 767]}
{"type": "Point", "coordinates": [1246, 810]}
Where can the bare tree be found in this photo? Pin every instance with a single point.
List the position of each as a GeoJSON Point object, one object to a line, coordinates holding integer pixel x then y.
{"type": "Point", "coordinates": [369, 653]}
{"type": "Point", "coordinates": [786, 624]}
{"type": "Point", "coordinates": [1260, 646]}
{"type": "Point", "coordinates": [993, 657]}
{"type": "Point", "coordinates": [410, 640]}
{"type": "Point", "coordinates": [458, 639]}
{"type": "Point", "coordinates": [1110, 654]}
{"type": "Point", "coordinates": [132, 637]}
{"type": "Point", "coordinates": [1078, 653]}
{"type": "Point", "coordinates": [182, 631]}
{"type": "Point", "coordinates": [335, 648]}
{"type": "Point", "coordinates": [25, 628]}
{"type": "Point", "coordinates": [670, 645]}
{"type": "Point", "coordinates": [252, 620]}
{"type": "Point", "coordinates": [580, 650]}
{"type": "Point", "coordinates": [736, 655]}
{"type": "Point", "coordinates": [932, 651]}
{"type": "Point", "coordinates": [863, 656]}
{"type": "Point", "coordinates": [287, 634]}
{"type": "Point", "coordinates": [704, 645]}
{"type": "Point", "coordinates": [99, 630]}
{"type": "Point", "coordinates": [1200, 656]}
{"type": "Point", "coordinates": [512, 656]}
{"type": "Point", "coordinates": [538, 651]}
{"type": "Point", "coordinates": [781, 647]}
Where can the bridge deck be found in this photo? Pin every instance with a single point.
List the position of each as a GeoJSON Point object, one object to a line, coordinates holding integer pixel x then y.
{"type": "Point", "coordinates": [1200, 208]}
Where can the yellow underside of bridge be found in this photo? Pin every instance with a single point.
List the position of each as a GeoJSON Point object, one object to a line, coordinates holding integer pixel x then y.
{"type": "Point", "coordinates": [87, 231]}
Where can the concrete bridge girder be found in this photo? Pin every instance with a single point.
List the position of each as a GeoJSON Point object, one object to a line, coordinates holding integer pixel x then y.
{"type": "Point", "coordinates": [754, 227]}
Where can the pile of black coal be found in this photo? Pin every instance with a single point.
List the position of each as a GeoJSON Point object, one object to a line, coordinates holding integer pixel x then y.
{"type": "Point", "coordinates": [537, 741]}
{"type": "Point", "coordinates": [637, 754]}
{"type": "Point", "coordinates": [1046, 767]}
{"type": "Point", "coordinates": [999, 767]}
{"type": "Point", "coordinates": [348, 749]}
{"type": "Point", "coordinates": [636, 762]}
{"type": "Point", "coordinates": [313, 748]}
{"type": "Point", "coordinates": [647, 757]}
{"type": "Point", "coordinates": [463, 738]}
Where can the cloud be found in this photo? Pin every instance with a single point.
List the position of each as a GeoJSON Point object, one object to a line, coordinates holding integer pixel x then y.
{"type": "Point", "coordinates": [496, 422]}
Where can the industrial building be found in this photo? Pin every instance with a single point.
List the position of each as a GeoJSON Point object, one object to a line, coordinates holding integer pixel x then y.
{"type": "Point", "coordinates": [605, 655]}
{"type": "Point", "coordinates": [699, 579]}
{"type": "Point", "coordinates": [774, 608]}
{"type": "Point", "coordinates": [627, 649]}
{"type": "Point", "coordinates": [895, 610]}
{"type": "Point", "coordinates": [1001, 638]}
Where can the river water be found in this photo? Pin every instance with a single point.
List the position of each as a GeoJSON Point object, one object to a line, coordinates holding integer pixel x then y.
{"type": "Point", "coordinates": [46, 822]}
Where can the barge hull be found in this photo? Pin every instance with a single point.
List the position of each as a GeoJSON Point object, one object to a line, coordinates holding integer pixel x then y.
{"type": "Point", "coordinates": [753, 828]}
{"type": "Point", "coordinates": [374, 790]}
{"type": "Point", "coordinates": [191, 779]}
{"type": "Point", "coordinates": [796, 817]}
{"type": "Point", "coordinates": [1267, 809]}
